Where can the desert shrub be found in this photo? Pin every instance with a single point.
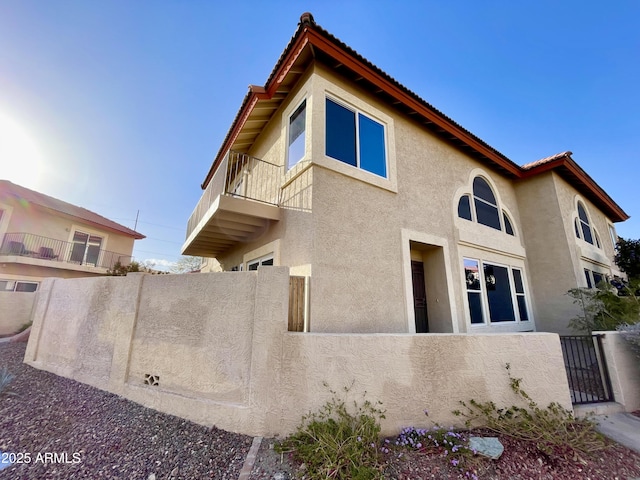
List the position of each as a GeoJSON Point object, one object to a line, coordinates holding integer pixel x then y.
{"type": "Point", "coordinates": [604, 308]}
{"type": "Point", "coordinates": [339, 442]}
{"type": "Point", "coordinates": [553, 430]}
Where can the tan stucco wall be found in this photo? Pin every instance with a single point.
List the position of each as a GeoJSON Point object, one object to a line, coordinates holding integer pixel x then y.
{"type": "Point", "coordinates": [218, 344]}
{"type": "Point", "coordinates": [624, 370]}
{"type": "Point", "coordinates": [353, 232]}
{"type": "Point", "coordinates": [411, 373]}
{"type": "Point", "coordinates": [15, 310]}
{"type": "Point", "coordinates": [557, 258]}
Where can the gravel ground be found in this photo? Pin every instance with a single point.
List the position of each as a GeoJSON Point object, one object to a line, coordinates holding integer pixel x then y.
{"type": "Point", "coordinates": [96, 434]}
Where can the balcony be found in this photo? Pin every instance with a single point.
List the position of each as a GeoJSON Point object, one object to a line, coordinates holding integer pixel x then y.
{"type": "Point", "coordinates": [48, 252]}
{"type": "Point", "coordinates": [237, 206]}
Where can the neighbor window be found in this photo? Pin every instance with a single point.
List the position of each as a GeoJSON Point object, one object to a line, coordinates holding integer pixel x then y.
{"type": "Point", "coordinates": [13, 286]}
{"type": "Point", "coordinates": [297, 123]}
{"type": "Point", "coordinates": [355, 139]}
{"type": "Point", "coordinates": [86, 248]}
{"type": "Point", "coordinates": [495, 293]}
{"type": "Point", "coordinates": [264, 261]}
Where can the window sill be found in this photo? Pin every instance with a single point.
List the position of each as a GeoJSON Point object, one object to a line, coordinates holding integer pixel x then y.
{"type": "Point", "coordinates": [337, 166]}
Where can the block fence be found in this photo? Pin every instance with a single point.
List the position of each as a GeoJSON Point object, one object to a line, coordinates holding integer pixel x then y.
{"type": "Point", "coordinates": [214, 348]}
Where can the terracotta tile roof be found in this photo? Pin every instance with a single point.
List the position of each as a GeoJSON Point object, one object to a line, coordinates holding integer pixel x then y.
{"type": "Point", "coordinates": [550, 159]}
{"type": "Point", "coordinates": [310, 35]}
{"type": "Point", "coordinates": [9, 190]}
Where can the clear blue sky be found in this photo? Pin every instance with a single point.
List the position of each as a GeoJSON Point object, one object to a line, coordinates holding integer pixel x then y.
{"type": "Point", "coordinates": [120, 106]}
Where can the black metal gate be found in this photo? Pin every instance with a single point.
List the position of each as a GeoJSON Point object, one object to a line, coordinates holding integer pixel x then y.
{"type": "Point", "coordinates": [586, 369]}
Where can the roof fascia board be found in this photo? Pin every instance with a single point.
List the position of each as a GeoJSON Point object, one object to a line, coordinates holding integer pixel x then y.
{"type": "Point", "coordinates": [573, 168]}
{"type": "Point", "coordinates": [346, 59]}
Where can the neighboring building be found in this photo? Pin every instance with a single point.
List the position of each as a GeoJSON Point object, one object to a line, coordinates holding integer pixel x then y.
{"type": "Point", "coordinates": [402, 220]}
{"type": "Point", "coordinates": [41, 236]}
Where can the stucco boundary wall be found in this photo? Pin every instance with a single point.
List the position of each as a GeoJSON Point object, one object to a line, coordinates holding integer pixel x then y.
{"type": "Point", "coordinates": [624, 370]}
{"type": "Point", "coordinates": [15, 310]}
{"type": "Point", "coordinates": [213, 348]}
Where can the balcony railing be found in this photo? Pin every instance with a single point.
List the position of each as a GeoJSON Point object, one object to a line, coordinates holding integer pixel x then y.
{"type": "Point", "coordinates": [242, 176]}
{"type": "Point", "coordinates": [43, 248]}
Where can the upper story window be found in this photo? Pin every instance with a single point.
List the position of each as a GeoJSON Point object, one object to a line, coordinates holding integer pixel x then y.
{"type": "Point", "coordinates": [13, 286]}
{"type": "Point", "coordinates": [86, 248]}
{"type": "Point", "coordinates": [355, 139]}
{"type": "Point", "coordinates": [484, 208]}
{"type": "Point", "coordinates": [297, 128]}
{"type": "Point", "coordinates": [583, 227]}
{"type": "Point", "coordinates": [614, 237]}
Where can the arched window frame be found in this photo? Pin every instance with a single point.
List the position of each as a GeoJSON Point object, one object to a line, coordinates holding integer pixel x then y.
{"type": "Point", "coordinates": [468, 202]}
{"type": "Point", "coordinates": [583, 226]}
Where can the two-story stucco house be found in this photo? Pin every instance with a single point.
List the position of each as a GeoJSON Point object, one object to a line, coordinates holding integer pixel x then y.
{"type": "Point", "coordinates": [402, 220]}
{"type": "Point", "coordinates": [41, 236]}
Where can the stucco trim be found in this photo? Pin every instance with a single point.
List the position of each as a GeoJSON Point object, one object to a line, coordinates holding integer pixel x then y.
{"type": "Point", "coordinates": [408, 236]}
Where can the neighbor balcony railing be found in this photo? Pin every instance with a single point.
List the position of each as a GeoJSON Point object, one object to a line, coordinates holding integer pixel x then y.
{"type": "Point", "coordinates": [242, 176]}
{"type": "Point", "coordinates": [50, 249]}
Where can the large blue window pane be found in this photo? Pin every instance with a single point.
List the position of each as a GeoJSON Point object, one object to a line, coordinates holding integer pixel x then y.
{"type": "Point", "coordinates": [341, 133]}
{"type": "Point", "coordinates": [586, 233]}
{"type": "Point", "coordinates": [517, 280]}
{"type": "Point", "coordinates": [475, 307]}
{"type": "Point", "coordinates": [522, 308]}
{"type": "Point", "coordinates": [582, 214]}
{"type": "Point", "coordinates": [482, 190]}
{"type": "Point", "coordinates": [372, 153]}
{"type": "Point", "coordinates": [487, 214]}
{"type": "Point", "coordinates": [499, 294]}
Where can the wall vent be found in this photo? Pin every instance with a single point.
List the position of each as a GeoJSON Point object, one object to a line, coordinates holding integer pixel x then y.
{"type": "Point", "coordinates": [153, 380]}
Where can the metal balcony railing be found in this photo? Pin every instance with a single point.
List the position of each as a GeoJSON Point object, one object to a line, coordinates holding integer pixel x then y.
{"type": "Point", "coordinates": [242, 176]}
{"type": "Point", "coordinates": [50, 249]}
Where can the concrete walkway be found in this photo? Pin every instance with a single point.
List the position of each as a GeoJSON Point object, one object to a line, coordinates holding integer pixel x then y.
{"type": "Point", "coordinates": [622, 427]}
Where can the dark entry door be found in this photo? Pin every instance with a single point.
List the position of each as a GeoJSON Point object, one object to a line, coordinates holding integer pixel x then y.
{"type": "Point", "coordinates": [419, 297]}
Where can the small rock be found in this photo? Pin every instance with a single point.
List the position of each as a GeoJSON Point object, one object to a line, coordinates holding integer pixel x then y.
{"type": "Point", "coordinates": [152, 476]}
{"type": "Point", "coordinates": [281, 476]}
{"type": "Point", "coordinates": [487, 446]}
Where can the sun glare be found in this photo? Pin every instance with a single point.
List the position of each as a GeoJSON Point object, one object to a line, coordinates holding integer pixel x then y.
{"type": "Point", "coordinates": [20, 160]}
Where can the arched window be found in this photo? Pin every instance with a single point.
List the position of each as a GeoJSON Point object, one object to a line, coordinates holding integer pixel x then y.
{"type": "Point", "coordinates": [507, 224]}
{"type": "Point", "coordinates": [482, 206]}
{"type": "Point", "coordinates": [485, 204]}
{"type": "Point", "coordinates": [464, 207]}
{"type": "Point", "coordinates": [584, 231]}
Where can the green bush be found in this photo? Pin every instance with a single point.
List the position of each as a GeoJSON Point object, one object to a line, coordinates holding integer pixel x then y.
{"type": "Point", "coordinates": [338, 443]}
{"type": "Point", "coordinates": [603, 309]}
{"type": "Point", "coordinates": [553, 430]}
